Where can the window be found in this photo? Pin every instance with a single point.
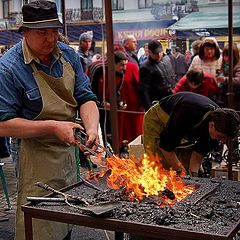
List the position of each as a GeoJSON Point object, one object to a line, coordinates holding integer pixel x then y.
{"type": "Point", "coordinates": [145, 3]}
{"type": "Point", "coordinates": [86, 4]}
{"type": "Point", "coordinates": [5, 9]}
{"type": "Point", "coordinates": [117, 5]}
{"type": "Point", "coordinates": [216, 1]}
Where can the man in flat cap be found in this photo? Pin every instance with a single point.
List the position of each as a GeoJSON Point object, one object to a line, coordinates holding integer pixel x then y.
{"type": "Point", "coordinates": [84, 50]}
{"type": "Point", "coordinates": [42, 88]}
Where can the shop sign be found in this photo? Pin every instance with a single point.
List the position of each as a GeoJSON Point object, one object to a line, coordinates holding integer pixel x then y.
{"type": "Point", "coordinates": [143, 34]}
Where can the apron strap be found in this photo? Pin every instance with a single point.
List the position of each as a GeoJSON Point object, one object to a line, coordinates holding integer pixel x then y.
{"type": "Point", "coordinates": [63, 60]}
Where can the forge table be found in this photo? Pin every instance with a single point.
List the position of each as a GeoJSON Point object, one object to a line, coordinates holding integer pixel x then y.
{"type": "Point", "coordinates": [149, 231]}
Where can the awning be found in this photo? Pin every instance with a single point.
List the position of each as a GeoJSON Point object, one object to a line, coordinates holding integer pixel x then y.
{"type": "Point", "coordinates": [10, 37]}
{"type": "Point", "coordinates": [205, 20]}
{"type": "Point", "coordinates": [142, 30]}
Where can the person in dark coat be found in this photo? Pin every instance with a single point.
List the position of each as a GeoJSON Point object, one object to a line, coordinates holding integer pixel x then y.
{"type": "Point", "coordinates": [171, 58]}
{"type": "Point", "coordinates": [181, 64]}
{"type": "Point", "coordinates": [154, 79]}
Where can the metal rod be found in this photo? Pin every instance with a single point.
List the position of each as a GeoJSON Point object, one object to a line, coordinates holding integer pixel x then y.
{"type": "Point", "coordinates": [50, 199]}
{"type": "Point", "coordinates": [66, 196]}
{"type": "Point", "coordinates": [91, 185]}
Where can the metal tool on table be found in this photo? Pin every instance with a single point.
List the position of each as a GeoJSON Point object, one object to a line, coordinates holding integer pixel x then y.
{"type": "Point", "coordinates": [90, 184]}
{"type": "Point", "coordinates": [96, 209]}
{"type": "Point", "coordinates": [51, 199]}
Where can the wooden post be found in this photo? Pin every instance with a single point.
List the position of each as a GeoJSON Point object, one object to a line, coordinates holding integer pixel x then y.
{"type": "Point", "coordinates": [111, 77]}
{"type": "Point", "coordinates": [230, 86]}
{"type": "Point", "coordinates": [64, 18]}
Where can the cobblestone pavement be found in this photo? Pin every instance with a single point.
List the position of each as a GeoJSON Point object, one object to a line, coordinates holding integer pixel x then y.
{"type": "Point", "coordinates": [7, 217]}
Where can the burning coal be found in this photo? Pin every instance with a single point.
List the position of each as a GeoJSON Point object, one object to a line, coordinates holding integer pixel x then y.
{"type": "Point", "coordinates": [146, 179]}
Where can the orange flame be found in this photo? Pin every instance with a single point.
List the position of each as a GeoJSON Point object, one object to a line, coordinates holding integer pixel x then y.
{"type": "Point", "coordinates": [148, 178]}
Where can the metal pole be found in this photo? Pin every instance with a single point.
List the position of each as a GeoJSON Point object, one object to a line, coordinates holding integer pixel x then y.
{"type": "Point", "coordinates": [111, 77]}
{"type": "Point", "coordinates": [230, 86]}
{"type": "Point", "coordinates": [64, 18]}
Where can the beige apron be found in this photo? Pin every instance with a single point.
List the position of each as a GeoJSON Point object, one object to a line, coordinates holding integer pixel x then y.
{"type": "Point", "coordinates": [47, 159]}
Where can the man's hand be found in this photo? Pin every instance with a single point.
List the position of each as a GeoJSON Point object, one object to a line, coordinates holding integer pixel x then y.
{"type": "Point", "coordinates": [92, 140]}
{"type": "Point", "coordinates": [174, 163]}
{"type": "Point", "coordinates": [180, 170]}
{"type": "Point", "coordinates": [88, 148]}
{"type": "Point", "coordinates": [65, 131]}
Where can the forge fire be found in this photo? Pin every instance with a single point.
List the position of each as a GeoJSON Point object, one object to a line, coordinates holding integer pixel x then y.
{"type": "Point", "coordinates": [210, 208]}
{"type": "Point", "coordinates": [146, 179]}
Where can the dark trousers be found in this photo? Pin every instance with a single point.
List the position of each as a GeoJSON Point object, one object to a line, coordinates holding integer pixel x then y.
{"type": "Point", "coordinates": [4, 147]}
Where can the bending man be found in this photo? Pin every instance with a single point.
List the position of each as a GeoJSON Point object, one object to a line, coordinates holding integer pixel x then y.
{"type": "Point", "coordinates": [187, 126]}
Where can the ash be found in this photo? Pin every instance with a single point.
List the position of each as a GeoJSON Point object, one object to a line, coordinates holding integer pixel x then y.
{"type": "Point", "coordinates": [213, 208]}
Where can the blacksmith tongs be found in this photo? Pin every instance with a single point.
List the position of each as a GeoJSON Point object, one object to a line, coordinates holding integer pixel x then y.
{"type": "Point", "coordinates": [81, 136]}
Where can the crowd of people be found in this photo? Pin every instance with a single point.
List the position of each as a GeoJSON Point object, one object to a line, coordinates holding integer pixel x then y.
{"type": "Point", "coordinates": [178, 103]}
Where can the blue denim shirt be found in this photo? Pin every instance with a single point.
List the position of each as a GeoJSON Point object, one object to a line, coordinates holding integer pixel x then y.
{"type": "Point", "coordinates": [19, 94]}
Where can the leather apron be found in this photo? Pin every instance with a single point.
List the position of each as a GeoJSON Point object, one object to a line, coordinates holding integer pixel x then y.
{"type": "Point", "coordinates": [48, 159]}
{"type": "Point", "coordinates": [155, 120]}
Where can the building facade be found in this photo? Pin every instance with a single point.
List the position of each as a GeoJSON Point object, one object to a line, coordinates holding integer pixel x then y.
{"type": "Point", "coordinates": [146, 19]}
